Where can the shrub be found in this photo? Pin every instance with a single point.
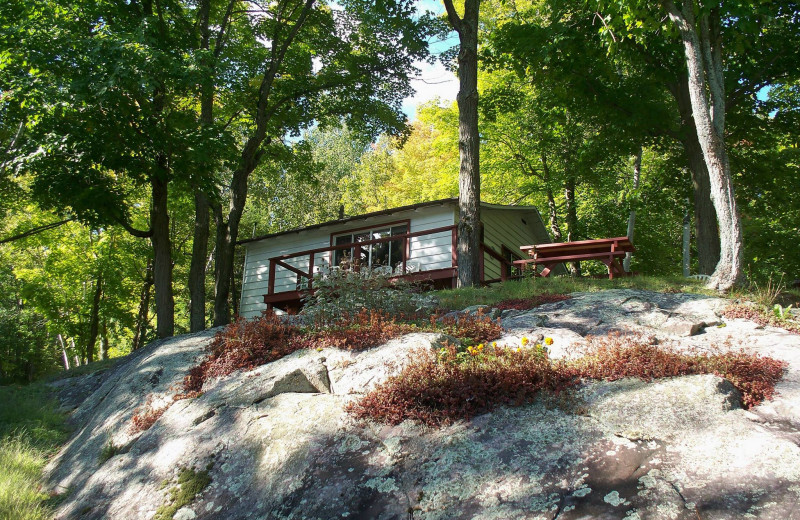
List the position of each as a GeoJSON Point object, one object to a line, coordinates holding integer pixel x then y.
{"type": "Point", "coordinates": [344, 294]}
{"type": "Point", "coordinates": [439, 389]}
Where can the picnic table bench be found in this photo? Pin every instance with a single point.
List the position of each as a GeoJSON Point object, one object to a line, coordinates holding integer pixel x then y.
{"type": "Point", "coordinates": [607, 250]}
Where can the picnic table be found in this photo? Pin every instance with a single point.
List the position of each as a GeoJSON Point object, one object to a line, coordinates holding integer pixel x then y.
{"type": "Point", "coordinates": [607, 250]}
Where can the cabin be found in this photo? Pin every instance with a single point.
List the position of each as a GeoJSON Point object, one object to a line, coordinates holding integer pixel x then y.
{"type": "Point", "coordinates": [416, 242]}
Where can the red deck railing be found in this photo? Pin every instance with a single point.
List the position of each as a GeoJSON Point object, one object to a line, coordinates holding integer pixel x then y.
{"type": "Point", "coordinates": [305, 279]}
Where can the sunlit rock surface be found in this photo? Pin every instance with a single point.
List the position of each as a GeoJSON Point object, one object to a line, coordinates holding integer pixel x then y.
{"type": "Point", "coordinates": [278, 443]}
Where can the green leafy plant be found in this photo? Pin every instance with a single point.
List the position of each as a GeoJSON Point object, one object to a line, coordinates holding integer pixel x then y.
{"type": "Point", "coordinates": [190, 483]}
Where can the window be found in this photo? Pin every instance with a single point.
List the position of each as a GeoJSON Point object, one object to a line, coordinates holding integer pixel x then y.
{"type": "Point", "coordinates": [388, 254]}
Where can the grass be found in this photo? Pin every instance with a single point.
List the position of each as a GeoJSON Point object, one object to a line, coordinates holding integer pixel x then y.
{"type": "Point", "coordinates": [94, 366]}
{"type": "Point", "coordinates": [528, 288]}
{"type": "Point", "coordinates": [31, 429]}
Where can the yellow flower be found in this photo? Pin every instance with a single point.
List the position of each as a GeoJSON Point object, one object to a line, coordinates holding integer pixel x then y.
{"type": "Point", "coordinates": [494, 344]}
{"type": "Point", "coordinates": [518, 349]}
{"type": "Point", "coordinates": [525, 341]}
{"type": "Point", "coordinates": [548, 341]}
{"type": "Point", "coordinates": [538, 346]}
{"type": "Point", "coordinates": [480, 347]}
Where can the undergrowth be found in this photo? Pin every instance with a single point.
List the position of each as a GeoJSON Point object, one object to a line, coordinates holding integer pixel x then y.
{"type": "Point", "coordinates": [439, 389]}
{"type": "Point", "coordinates": [31, 429]}
{"type": "Point", "coordinates": [761, 316]}
{"type": "Point", "coordinates": [247, 344]}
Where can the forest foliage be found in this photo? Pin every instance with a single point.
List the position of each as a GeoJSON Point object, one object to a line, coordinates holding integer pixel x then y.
{"type": "Point", "coordinates": [121, 122]}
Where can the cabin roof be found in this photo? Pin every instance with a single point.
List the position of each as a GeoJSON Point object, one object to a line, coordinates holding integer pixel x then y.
{"type": "Point", "coordinates": [440, 202]}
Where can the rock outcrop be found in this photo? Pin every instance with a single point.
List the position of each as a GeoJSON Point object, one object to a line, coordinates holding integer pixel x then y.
{"type": "Point", "coordinates": [277, 443]}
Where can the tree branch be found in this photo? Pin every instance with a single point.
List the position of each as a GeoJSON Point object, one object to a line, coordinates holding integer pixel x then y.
{"type": "Point", "coordinates": [36, 230]}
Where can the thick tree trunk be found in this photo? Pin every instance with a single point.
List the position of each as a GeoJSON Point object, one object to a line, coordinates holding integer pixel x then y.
{"type": "Point", "coordinates": [162, 260]}
{"type": "Point", "coordinates": [705, 217]}
{"type": "Point", "coordinates": [144, 308]}
{"type": "Point", "coordinates": [469, 180]}
{"type": "Point", "coordinates": [572, 220]}
{"type": "Point", "coordinates": [197, 270]}
{"type": "Point", "coordinates": [637, 172]}
{"type": "Point", "coordinates": [94, 318]}
{"type": "Point", "coordinates": [704, 64]}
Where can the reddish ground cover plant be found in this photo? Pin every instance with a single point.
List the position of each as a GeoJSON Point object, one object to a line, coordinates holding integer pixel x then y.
{"type": "Point", "coordinates": [437, 390]}
{"type": "Point", "coordinates": [476, 328]}
{"type": "Point", "coordinates": [523, 304]}
{"type": "Point", "coordinates": [145, 416]}
{"type": "Point", "coordinates": [761, 317]}
{"type": "Point", "coordinates": [247, 344]}
{"type": "Point", "coordinates": [613, 357]}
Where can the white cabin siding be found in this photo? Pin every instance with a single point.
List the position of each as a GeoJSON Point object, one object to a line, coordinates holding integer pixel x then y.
{"type": "Point", "coordinates": [428, 251]}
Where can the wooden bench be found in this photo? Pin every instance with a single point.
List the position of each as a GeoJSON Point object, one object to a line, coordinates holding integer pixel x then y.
{"type": "Point", "coordinates": [607, 250]}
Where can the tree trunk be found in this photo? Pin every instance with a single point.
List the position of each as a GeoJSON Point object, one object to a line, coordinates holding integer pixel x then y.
{"type": "Point", "coordinates": [705, 217]}
{"type": "Point", "coordinates": [572, 220]}
{"type": "Point", "coordinates": [197, 270]}
{"type": "Point", "coordinates": [144, 308]}
{"type": "Point", "coordinates": [469, 180]}
{"type": "Point", "coordinates": [704, 64]}
{"type": "Point", "coordinates": [94, 319]}
{"type": "Point", "coordinates": [162, 260]}
{"type": "Point", "coordinates": [637, 171]}
{"type": "Point", "coordinates": [686, 241]}
{"type": "Point", "coordinates": [552, 208]}
{"type": "Point", "coordinates": [228, 232]}
{"type": "Point", "coordinates": [104, 341]}
{"type": "Point", "coordinates": [63, 351]}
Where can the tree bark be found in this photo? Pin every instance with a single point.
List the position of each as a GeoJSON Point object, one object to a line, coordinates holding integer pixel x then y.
{"type": "Point", "coordinates": [469, 181]}
{"type": "Point", "coordinates": [144, 308]}
{"type": "Point", "coordinates": [197, 270]}
{"type": "Point", "coordinates": [94, 319]}
{"type": "Point", "coordinates": [228, 231]}
{"type": "Point", "coordinates": [104, 341]}
{"type": "Point", "coordinates": [637, 172]}
{"type": "Point", "coordinates": [552, 208]}
{"type": "Point", "coordinates": [705, 217]}
{"type": "Point", "coordinates": [162, 260]}
{"type": "Point", "coordinates": [704, 64]}
{"type": "Point", "coordinates": [572, 220]}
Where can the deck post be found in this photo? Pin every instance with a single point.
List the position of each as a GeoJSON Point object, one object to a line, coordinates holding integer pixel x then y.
{"type": "Point", "coordinates": [310, 271]}
{"type": "Point", "coordinates": [271, 280]}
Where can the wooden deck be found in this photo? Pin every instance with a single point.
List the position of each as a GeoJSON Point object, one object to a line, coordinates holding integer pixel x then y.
{"type": "Point", "coordinates": [292, 300]}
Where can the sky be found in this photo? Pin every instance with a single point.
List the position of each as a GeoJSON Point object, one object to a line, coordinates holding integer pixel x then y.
{"type": "Point", "coordinates": [434, 81]}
